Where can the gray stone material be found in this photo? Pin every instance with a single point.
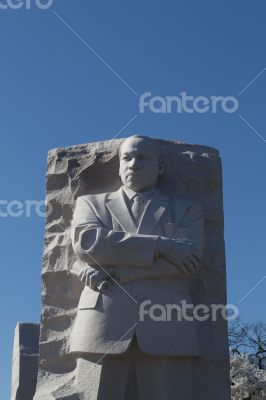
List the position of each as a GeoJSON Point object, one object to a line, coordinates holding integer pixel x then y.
{"type": "Point", "coordinates": [193, 172]}
{"type": "Point", "coordinates": [25, 361]}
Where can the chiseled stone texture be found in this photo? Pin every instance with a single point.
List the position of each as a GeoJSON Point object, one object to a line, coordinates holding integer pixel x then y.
{"type": "Point", "coordinates": [192, 171]}
{"type": "Point", "coordinates": [25, 361]}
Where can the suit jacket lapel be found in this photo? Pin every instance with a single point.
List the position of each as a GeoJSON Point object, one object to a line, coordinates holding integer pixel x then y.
{"type": "Point", "coordinates": [153, 212]}
{"type": "Point", "coordinates": [118, 208]}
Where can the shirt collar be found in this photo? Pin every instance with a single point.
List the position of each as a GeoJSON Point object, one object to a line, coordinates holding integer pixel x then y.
{"type": "Point", "coordinates": [130, 193]}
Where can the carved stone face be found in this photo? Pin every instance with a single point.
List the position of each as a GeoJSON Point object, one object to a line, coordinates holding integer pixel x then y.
{"type": "Point", "coordinates": [140, 163]}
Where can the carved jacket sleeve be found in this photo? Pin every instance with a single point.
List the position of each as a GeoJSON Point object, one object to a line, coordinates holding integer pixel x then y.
{"type": "Point", "coordinates": [191, 230]}
{"type": "Point", "coordinates": [99, 246]}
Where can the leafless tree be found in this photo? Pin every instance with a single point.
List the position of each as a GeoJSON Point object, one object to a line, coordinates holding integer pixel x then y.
{"type": "Point", "coordinates": [248, 338]}
{"type": "Point", "coordinates": [236, 336]}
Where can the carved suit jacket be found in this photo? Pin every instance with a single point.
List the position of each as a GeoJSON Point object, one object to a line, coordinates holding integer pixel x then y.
{"type": "Point", "coordinates": [104, 236]}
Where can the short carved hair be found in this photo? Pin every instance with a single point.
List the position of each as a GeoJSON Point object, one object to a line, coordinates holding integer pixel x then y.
{"type": "Point", "coordinates": [154, 141]}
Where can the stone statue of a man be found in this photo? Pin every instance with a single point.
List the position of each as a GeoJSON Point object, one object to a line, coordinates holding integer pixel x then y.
{"type": "Point", "coordinates": [137, 248]}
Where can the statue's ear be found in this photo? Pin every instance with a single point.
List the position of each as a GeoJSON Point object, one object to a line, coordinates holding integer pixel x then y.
{"type": "Point", "coordinates": [161, 168]}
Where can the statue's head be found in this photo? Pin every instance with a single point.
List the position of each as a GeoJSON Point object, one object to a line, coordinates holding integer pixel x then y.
{"type": "Point", "coordinates": [140, 163]}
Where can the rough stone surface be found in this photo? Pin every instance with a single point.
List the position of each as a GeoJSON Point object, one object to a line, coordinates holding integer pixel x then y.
{"type": "Point", "coordinates": [192, 171]}
{"type": "Point", "coordinates": [25, 361]}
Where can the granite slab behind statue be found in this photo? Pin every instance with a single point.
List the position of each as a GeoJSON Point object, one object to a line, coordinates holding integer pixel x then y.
{"type": "Point", "coordinates": [25, 361]}
{"type": "Point", "coordinates": [193, 172]}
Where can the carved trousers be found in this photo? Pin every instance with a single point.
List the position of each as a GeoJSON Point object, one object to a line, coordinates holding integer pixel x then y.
{"type": "Point", "coordinates": [136, 376]}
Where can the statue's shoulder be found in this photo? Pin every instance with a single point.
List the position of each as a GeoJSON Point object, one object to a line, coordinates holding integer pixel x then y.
{"type": "Point", "coordinates": [96, 199]}
{"type": "Point", "coordinates": [183, 203]}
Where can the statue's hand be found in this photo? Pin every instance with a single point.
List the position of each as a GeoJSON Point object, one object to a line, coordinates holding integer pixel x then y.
{"type": "Point", "coordinates": [180, 254]}
{"type": "Point", "coordinates": [95, 279]}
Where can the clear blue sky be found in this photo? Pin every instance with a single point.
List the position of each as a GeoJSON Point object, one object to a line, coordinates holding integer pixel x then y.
{"type": "Point", "coordinates": [56, 92]}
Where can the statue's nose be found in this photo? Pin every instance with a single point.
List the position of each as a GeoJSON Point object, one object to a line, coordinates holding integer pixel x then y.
{"type": "Point", "coordinates": [132, 164]}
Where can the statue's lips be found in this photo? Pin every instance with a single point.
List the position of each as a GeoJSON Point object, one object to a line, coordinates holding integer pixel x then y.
{"type": "Point", "coordinates": [133, 175]}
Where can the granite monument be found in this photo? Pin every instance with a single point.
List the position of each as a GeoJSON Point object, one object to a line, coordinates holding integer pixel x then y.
{"type": "Point", "coordinates": [145, 240]}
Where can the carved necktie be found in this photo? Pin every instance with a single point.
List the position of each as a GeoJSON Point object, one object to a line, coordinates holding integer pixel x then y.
{"type": "Point", "coordinates": [137, 207]}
